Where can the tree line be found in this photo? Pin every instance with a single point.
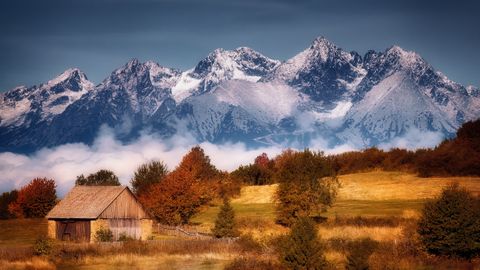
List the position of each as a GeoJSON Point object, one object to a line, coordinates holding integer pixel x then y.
{"type": "Point", "coordinates": [459, 156]}
{"type": "Point", "coordinates": [309, 177]}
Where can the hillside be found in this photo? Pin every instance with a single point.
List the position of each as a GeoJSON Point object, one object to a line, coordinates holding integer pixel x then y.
{"type": "Point", "coordinates": [376, 193]}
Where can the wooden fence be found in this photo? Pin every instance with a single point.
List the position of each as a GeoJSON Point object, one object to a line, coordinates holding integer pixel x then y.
{"type": "Point", "coordinates": [184, 231]}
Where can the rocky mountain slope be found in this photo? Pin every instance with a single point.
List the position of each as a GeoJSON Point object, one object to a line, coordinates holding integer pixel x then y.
{"type": "Point", "coordinates": [240, 95]}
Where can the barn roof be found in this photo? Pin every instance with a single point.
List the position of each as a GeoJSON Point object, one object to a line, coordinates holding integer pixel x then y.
{"type": "Point", "coordinates": [86, 202]}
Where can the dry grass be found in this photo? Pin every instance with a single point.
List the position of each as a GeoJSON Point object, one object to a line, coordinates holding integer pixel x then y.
{"type": "Point", "coordinates": [256, 194]}
{"type": "Point", "coordinates": [157, 261]}
{"type": "Point", "coordinates": [381, 234]}
{"type": "Point", "coordinates": [380, 185]}
{"type": "Point", "coordinates": [33, 263]}
{"type": "Point", "coordinates": [262, 230]}
{"type": "Point", "coordinates": [336, 259]}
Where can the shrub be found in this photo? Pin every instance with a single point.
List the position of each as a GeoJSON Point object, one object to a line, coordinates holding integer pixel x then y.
{"type": "Point", "coordinates": [103, 235]}
{"type": "Point", "coordinates": [123, 237]}
{"type": "Point", "coordinates": [450, 225]}
{"type": "Point", "coordinates": [248, 244]}
{"type": "Point", "coordinates": [43, 246]}
{"type": "Point", "coordinates": [225, 223]}
{"type": "Point", "coordinates": [360, 251]}
{"type": "Point", "coordinates": [301, 249]}
{"type": "Point", "coordinates": [252, 264]}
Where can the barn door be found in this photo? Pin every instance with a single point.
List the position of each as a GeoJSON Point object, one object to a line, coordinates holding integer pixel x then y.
{"type": "Point", "coordinates": [129, 227]}
{"type": "Point", "coordinates": [73, 230]}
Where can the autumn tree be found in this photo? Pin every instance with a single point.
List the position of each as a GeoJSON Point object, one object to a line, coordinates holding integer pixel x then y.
{"type": "Point", "coordinates": [196, 165]}
{"type": "Point", "coordinates": [225, 222]}
{"type": "Point", "coordinates": [193, 183]}
{"type": "Point", "coordinates": [35, 199]}
{"type": "Point", "coordinates": [450, 225]}
{"type": "Point", "coordinates": [301, 249]}
{"type": "Point", "coordinates": [100, 178]}
{"type": "Point", "coordinates": [6, 199]}
{"type": "Point", "coordinates": [307, 185]}
{"type": "Point", "coordinates": [148, 174]}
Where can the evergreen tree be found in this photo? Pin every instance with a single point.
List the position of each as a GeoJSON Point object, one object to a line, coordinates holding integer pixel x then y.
{"type": "Point", "coordinates": [225, 222]}
{"type": "Point", "coordinates": [147, 175]}
{"type": "Point", "coordinates": [100, 178]}
{"type": "Point", "coordinates": [450, 225]}
{"type": "Point", "coordinates": [301, 250]}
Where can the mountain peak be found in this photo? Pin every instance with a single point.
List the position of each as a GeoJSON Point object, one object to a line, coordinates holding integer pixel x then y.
{"type": "Point", "coordinates": [72, 78]}
{"type": "Point", "coordinates": [131, 65]}
{"type": "Point", "coordinates": [321, 41]}
{"type": "Point", "coordinates": [406, 58]}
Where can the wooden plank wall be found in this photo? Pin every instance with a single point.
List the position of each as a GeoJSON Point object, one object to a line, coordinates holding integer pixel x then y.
{"type": "Point", "coordinates": [125, 206]}
{"type": "Point", "coordinates": [129, 227]}
{"type": "Point", "coordinates": [73, 230]}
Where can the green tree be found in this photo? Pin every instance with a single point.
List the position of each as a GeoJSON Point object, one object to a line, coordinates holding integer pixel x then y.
{"type": "Point", "coordinates": [301, 249]}
{"type": "Point", "coordinates": [450, 225]}
{"type": "Point", "coordinates": [100, 178]}
{"type": "Point", "coordinates": [147, 175]}
{"type": "Point", "coordinates": [259, 173]}
{"type": "Point", "coordinates": [307, 185]}
{"type": "Point", "coordinates": [225, 223]}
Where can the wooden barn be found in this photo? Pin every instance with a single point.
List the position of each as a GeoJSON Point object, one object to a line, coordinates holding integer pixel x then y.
{"type": "Point", "coordinates": [86, 209]}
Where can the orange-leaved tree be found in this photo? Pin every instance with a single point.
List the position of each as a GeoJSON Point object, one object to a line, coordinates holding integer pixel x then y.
{"type": "Point", "coordinates": [35, 199]}
{"type": "Point", "coordinates": [176, 198]}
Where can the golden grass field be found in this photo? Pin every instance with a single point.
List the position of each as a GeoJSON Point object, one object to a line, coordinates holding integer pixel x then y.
{"type": "Point", "coordinates": [376, 193]}
{"type": "Point", "coordinates": [372, 194]}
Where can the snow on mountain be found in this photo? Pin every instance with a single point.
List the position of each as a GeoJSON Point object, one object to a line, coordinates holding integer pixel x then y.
{"type": "Point", "coordinates": [400, 92]}
{"type": "Point", "coordinates": [245, 106]}
{"type": "Point", "coordinates": [141, 88]}
{"type": "Point", "coordinates": [222, 65]}
{"type": "Point", "coordinates": [41, 103]}
{"type": "Point", "coordinates": [323, 71]}
{"type": "Point", "coordinates": [240, 95]}
{"type": "Point", "coordinates": [390, 109]}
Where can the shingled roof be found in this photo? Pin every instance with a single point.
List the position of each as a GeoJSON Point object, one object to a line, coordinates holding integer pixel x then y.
{"type": "Point", "coordinates": [85, 202]}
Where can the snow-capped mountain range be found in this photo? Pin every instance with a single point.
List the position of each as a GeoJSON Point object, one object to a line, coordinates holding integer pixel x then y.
{"type": "Point", "coordinates": [241, 95]}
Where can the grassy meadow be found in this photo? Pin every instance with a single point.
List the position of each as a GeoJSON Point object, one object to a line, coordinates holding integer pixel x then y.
{"type": "Point", "coordinates": [370, 194]}
{"type": "Point", "coordinates": [388, 201]}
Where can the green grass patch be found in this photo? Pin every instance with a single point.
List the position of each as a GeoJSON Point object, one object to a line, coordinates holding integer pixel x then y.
{"type": "Point", "coordinates": [247, 211]}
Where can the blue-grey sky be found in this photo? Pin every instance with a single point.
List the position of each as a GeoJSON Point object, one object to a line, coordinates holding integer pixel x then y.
{"type": "Point", "coordinates": [40, 39]}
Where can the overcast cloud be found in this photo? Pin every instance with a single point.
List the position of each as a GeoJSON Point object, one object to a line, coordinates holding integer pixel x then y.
{"type": "Point", "coordinates": [64, 163]}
